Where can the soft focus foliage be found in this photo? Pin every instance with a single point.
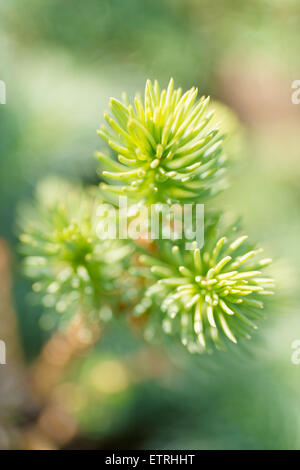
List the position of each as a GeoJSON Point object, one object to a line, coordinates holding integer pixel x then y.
{"type": "Point", "coordinates": [61, 61]}
{"type": "Point", "coordinates": [72, 268]}
{"type": "Point", "coordinates": [211, 292]}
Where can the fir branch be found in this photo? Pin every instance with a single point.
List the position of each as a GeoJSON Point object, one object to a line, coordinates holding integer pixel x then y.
{"type": "Point", "coordinates": [170, 150]}
{"type": "Point", "coordinates": [167, 149]}
{"type": "Point", "coordinates": [208, 295]}
{"type": "Point", "coordinates": [72, 268]}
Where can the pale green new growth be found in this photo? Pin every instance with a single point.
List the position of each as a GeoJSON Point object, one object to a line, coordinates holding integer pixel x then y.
{"type": "Point", "coordinates": [209, 294]}
{"type": "Point", "coordinates": [72, 268]}
{"type": "Point", "coordinates": [167, 150]}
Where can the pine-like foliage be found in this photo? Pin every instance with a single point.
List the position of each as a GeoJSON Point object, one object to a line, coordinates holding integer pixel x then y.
{"type": "Point", "coordinates": [168, 152]}
{"type": "Point", "coordinates": [72, 268]}
{"type": "Point", "coordinates": [207, 295]}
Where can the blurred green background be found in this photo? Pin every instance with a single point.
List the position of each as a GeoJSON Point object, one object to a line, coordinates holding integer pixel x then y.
{"type": "Point", "coordinates": [61, 61]}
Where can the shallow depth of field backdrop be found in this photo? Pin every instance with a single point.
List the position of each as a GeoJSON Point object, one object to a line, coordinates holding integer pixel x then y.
{"type": "Point", "coordinates": [61, 61]}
